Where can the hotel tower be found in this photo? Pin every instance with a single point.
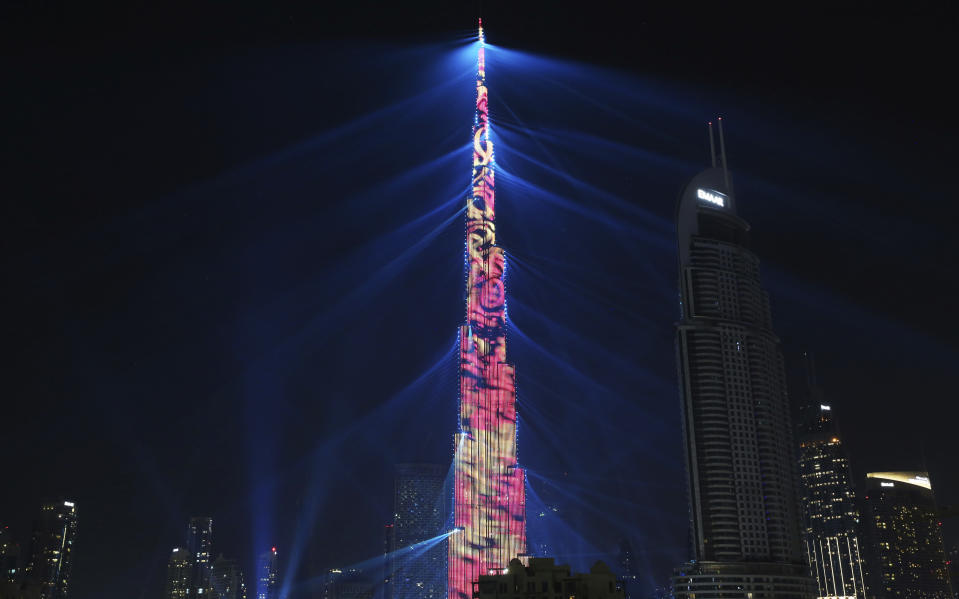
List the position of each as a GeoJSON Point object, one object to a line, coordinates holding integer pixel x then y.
{"type": "Point", "coordinates": [741, 471]}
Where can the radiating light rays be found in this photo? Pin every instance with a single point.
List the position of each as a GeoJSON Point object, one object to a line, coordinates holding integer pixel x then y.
{"type": "Point", "coordinates": [579, 287]}
{"type": "Point", "coordinates": [551, 535]}
{"type": "Point", "coordinates": [584, 189]}
{"type": "Point", "coordinates": [597, 85]}
{"type": "Point", "coordinates": [331, 467]}
{"type": "Point", "coordinates": [586, 503]}
{"type": "Point", "coordinates": [640, 160]}
{"type": "Point", "coordinates": [404, 555]}
{"type": "Point", "coordinates": [538, 183]}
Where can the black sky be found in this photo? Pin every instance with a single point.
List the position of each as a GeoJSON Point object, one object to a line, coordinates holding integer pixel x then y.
{"type": "Point", "coordinates": [137, 296]}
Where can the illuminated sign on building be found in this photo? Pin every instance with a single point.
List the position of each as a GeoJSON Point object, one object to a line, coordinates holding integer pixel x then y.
{"type": "Point", "coordinates": [909, 478]}
{"type": "Point", "coordinates": [489, 492]}
{"type": "Point", "coordinates": [711, 196]}
{"type": "Point", "coordinates": [824, 407]}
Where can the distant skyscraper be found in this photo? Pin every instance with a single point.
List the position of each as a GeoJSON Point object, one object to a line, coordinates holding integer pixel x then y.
{"type": "Point", "coordinates": [349, 584]}
{"type": "Point", "coordinates": [268, 575]}
{"type": "Point", "coordinates": [830, 516]}
{"type": "Point", "coordinates": [179, 571]}
{"type": "Point", "coordinates": [51, 558]}
{"type": "Point", "coordinates": [228, 581]}
{"type": "Point", "coordinates": [9, 557]}
{"type": "Point", "coordinates": [627, 568]}
{"type": "Point", "coordinates": [908, 560]}
{"type": "Point", "coordinates": [744, 505]}
{"type": "Point", "coordinates": [420, 510]}
{"type": "Point", "coordinates": [200, 544]}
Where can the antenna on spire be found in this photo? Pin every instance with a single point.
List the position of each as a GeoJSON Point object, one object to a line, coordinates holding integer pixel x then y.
{"type": "Point", "coordinates": [722, 153]}
{"type": "Point", "coordinates": [712, 145]}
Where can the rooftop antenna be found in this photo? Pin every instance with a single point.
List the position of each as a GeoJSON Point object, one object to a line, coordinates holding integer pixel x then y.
{"type": "Point", "coordinates": [712, 145]}
{"type": "Point", "coordinates": [722, 153]}
{"type": "Point", "coordinates": [811, 380]}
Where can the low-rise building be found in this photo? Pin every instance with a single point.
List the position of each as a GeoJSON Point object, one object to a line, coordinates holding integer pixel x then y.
{"type": "Point", "coordinates": [544, 579]}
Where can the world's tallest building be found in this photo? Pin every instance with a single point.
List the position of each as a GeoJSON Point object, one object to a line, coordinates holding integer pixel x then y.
{"type": "Point", "coordinates": [489, 493]}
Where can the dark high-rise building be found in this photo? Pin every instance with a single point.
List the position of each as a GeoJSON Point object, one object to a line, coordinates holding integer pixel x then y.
{"type": "Point", "coordinates": [419, 513]}
{"type": "Point", "coordinates": [268, 575]}
{"type": "Point", "coordinates": [349, 584]}
{"type": "Point", "coordinates": [385, 591]}
{"type": "Point", "coordinates": [9, 557]}
{"type": "Point", "coordinates": [179, 571]}
{"type": "Point", "coordinates": [628, 568]}
{"type": "Point", "coordinates": [199, 542]}
{"type": "Point", "coordinates": [51, 556]}
{"type": "Point", "coordinates": [830, 515]}
{"type": "Point", "coordinates": [907, 556]}
{"type": "Point", "coordinates": [228, 580]}
{"type": "Point", "coordinates": [743, 500]}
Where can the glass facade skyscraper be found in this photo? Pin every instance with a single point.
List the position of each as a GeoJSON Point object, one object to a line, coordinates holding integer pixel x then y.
{"type": "Point", "coordinates": [51, 561]}
{"type": "Point", "coordinates": [228, 581]}
{"type": "Point", "coordinates": [179, 570]}
{"type": "Point", "coordinates": [420, 510]}
{"type": "Point", "coordinates": [268, 575]}
{"type": "Point", "coordinates": [200, 545]}
{"type": "Point", "coordinates": [830, 516]}
{"type": "Point", "coordinates": [907, 556]}
{"type": "Point", "coordinates": [743, 500]}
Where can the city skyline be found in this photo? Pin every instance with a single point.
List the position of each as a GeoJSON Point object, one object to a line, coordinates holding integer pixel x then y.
{"type": "Point", "coordinates": [219, 252]}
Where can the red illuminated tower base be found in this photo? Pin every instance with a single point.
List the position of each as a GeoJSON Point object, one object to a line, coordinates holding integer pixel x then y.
{"type": "Point", "coordinates": [489, 511]}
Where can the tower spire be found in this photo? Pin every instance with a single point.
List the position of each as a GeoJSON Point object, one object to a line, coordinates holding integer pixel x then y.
{"type": "Point", "coordinates": [722, 153]}
{"type": "Point", "coordinates": [712, 145]}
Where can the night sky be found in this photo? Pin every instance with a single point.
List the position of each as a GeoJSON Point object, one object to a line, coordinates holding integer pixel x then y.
{"type": "Point", "coordinates": [233, 256]}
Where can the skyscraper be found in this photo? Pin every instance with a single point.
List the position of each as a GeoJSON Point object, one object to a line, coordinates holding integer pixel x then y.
{"type": "Point", "coordinates": [907, 556]}
{"type": "Point", "coordinates": [743, 501]}
{"type": "Point", "coordinates": [179, 570]}
{"type": "Point", "coordinates": [228, 580]}
{"type": "Point", "coordinates": [51, 560]}
{"type": "Point", "coordinates": [268, 575]}
{"type": "Point", "coordinates": [200, 545]}
{"type": "Point", "coordinates": [830, 515]}
{"type": "Point", "coordinates": [350, 584]}
{"type": "Point", "coordinates": [9, 557]}
{"type": "Point", "coordinates": [489, 512]}
{"type": "Point", "coordinates": [627, 568]}
{"type": "Point", "coordinates": [420, 509]}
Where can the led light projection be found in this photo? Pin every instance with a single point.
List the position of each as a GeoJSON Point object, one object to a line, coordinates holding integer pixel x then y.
{"type": "Point", "coordinates": [489, 501]}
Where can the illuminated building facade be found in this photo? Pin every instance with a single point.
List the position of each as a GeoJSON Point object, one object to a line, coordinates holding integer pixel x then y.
{"type": "Point", "coordinates": [228, 580]}
{"type": "Point", "coordinates": [907, 556]}
{"type": "Point", "coordinates": [489, 501]}
{"type": "Point", "coordinates": [52, 553]}
{"type": "Point", "coordinates": [268, 575]}
{"type": "Point", "coordinates": [420, 510]}
{"type": "Point", "coordinates": [199, 543]}
{"type": "Point", "coordinates": [830, 515]}
{"type": "Point", "coordinates": [743, 500]}
{"type": "Point", "coordinates": [179, 571]}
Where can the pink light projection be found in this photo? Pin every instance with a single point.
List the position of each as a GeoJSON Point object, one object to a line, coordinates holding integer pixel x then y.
{"type": "Point", "coordinates": [489, 495]}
